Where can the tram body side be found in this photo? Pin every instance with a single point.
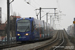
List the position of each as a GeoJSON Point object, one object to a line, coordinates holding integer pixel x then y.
{"type": "Point", "coordinates": [30, 29]}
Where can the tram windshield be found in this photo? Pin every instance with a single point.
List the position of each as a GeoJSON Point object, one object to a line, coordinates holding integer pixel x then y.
{"type": "Point", "coordinates": [23, 25]}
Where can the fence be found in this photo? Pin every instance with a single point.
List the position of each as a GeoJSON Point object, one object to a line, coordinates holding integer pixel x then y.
{"type": "Point", "coordinates": [3, 33]}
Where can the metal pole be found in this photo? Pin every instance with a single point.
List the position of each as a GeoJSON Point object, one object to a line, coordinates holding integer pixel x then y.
{"type": "Point", "coordinates": [47, 17]}
{"type": "Point", "coordinates": [53, 22]}
{"type": "Point", "coordinates": [74, 27]}
{"type": "Point", "coordinates": [50, 21]}
{"type": "Point", "coordinates": [54, 16]}
{"type": "Point", "coordinates": [55, 12]}
{"type": "Point", "coordinates": [37, 16]}
{"type": "Point", "coordinates": [0, 14]}
{"type": "Point", "coordinates": [8, 22]}
{"type": "Point", "coordinates": [40, 13]}
{"type": "Point", "coordinates": [49, 8]}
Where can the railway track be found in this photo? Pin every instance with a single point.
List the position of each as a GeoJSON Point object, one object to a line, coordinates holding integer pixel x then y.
{"type": "Point", "coordinates": [13, 45]}
{"type": "Point", "coordinates": [65, 44]}
{"type": "Point", "coordinates": [62, 44]}
{"type": "Point", "coordinates": [27, 46]}
{"type": "Point", "coordinates": [57, 44]}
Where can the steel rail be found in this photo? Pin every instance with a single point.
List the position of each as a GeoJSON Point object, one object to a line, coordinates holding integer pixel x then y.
{"type": "Point", "coordinates": [13, 45]}
{"type": "Point", "coordinates": [47, 44]}
{"type": "Point", "coordinates": [60, 43]}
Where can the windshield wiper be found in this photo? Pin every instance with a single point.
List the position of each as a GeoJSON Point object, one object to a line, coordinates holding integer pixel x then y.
{"type": "Point", "coordinates": [26, 28]}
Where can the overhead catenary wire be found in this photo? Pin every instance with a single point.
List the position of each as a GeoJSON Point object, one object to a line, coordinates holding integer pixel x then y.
{"type": "Point", "coordinates": [45, 14]}
{"type": "Point", "coordinates": [33, 6]}
{"type": "Point", "coordinates": [11, 1]}
{"type": "Point", "coordinates": [58, 5]}
{"type": "Point", "coordinates": [41, 11]}
{"type": "Point", "coordinates": [36, 3]}
{"type": "Point", "coordinates": [28, 2]}
{"type": "Point", "coordinates": [37, 13]}
{"type": "Point", "coordinates": [58, 10]}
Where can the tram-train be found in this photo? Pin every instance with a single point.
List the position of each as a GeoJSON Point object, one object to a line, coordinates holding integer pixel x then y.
{"type": "Point", "coordinates": [31, 29]}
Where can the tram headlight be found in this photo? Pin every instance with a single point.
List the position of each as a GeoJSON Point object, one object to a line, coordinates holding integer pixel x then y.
{"type": "Point", "coordinates": [18, 34]}
{"type": "Point", "coordinates": [26, 34]}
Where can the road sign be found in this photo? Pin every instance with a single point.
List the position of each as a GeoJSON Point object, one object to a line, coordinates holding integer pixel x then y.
{"type": "Point", "coordinates": [73, 22]}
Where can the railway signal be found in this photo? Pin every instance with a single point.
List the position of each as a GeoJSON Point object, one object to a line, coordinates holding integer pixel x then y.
{"type": "Point", "coordinates": [74, 25]}
{"type": "Point", "coordinates": [73, 22]}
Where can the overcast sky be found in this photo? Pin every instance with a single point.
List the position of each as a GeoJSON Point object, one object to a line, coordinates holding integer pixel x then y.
{"type": "Point", "coordinates": [28, 10]}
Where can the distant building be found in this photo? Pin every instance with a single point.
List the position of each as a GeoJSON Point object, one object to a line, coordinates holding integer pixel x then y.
{"type": "Point", "coordinates": [12, 17]}
{"type": "Point", "coordinates": [3, 26]}
{"type": "Point", "coordinates": [2, 31]}
{"type": "Point", "coordinates": [12, 24]}
{"type": "Point", "coordinates": [70, 30]}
